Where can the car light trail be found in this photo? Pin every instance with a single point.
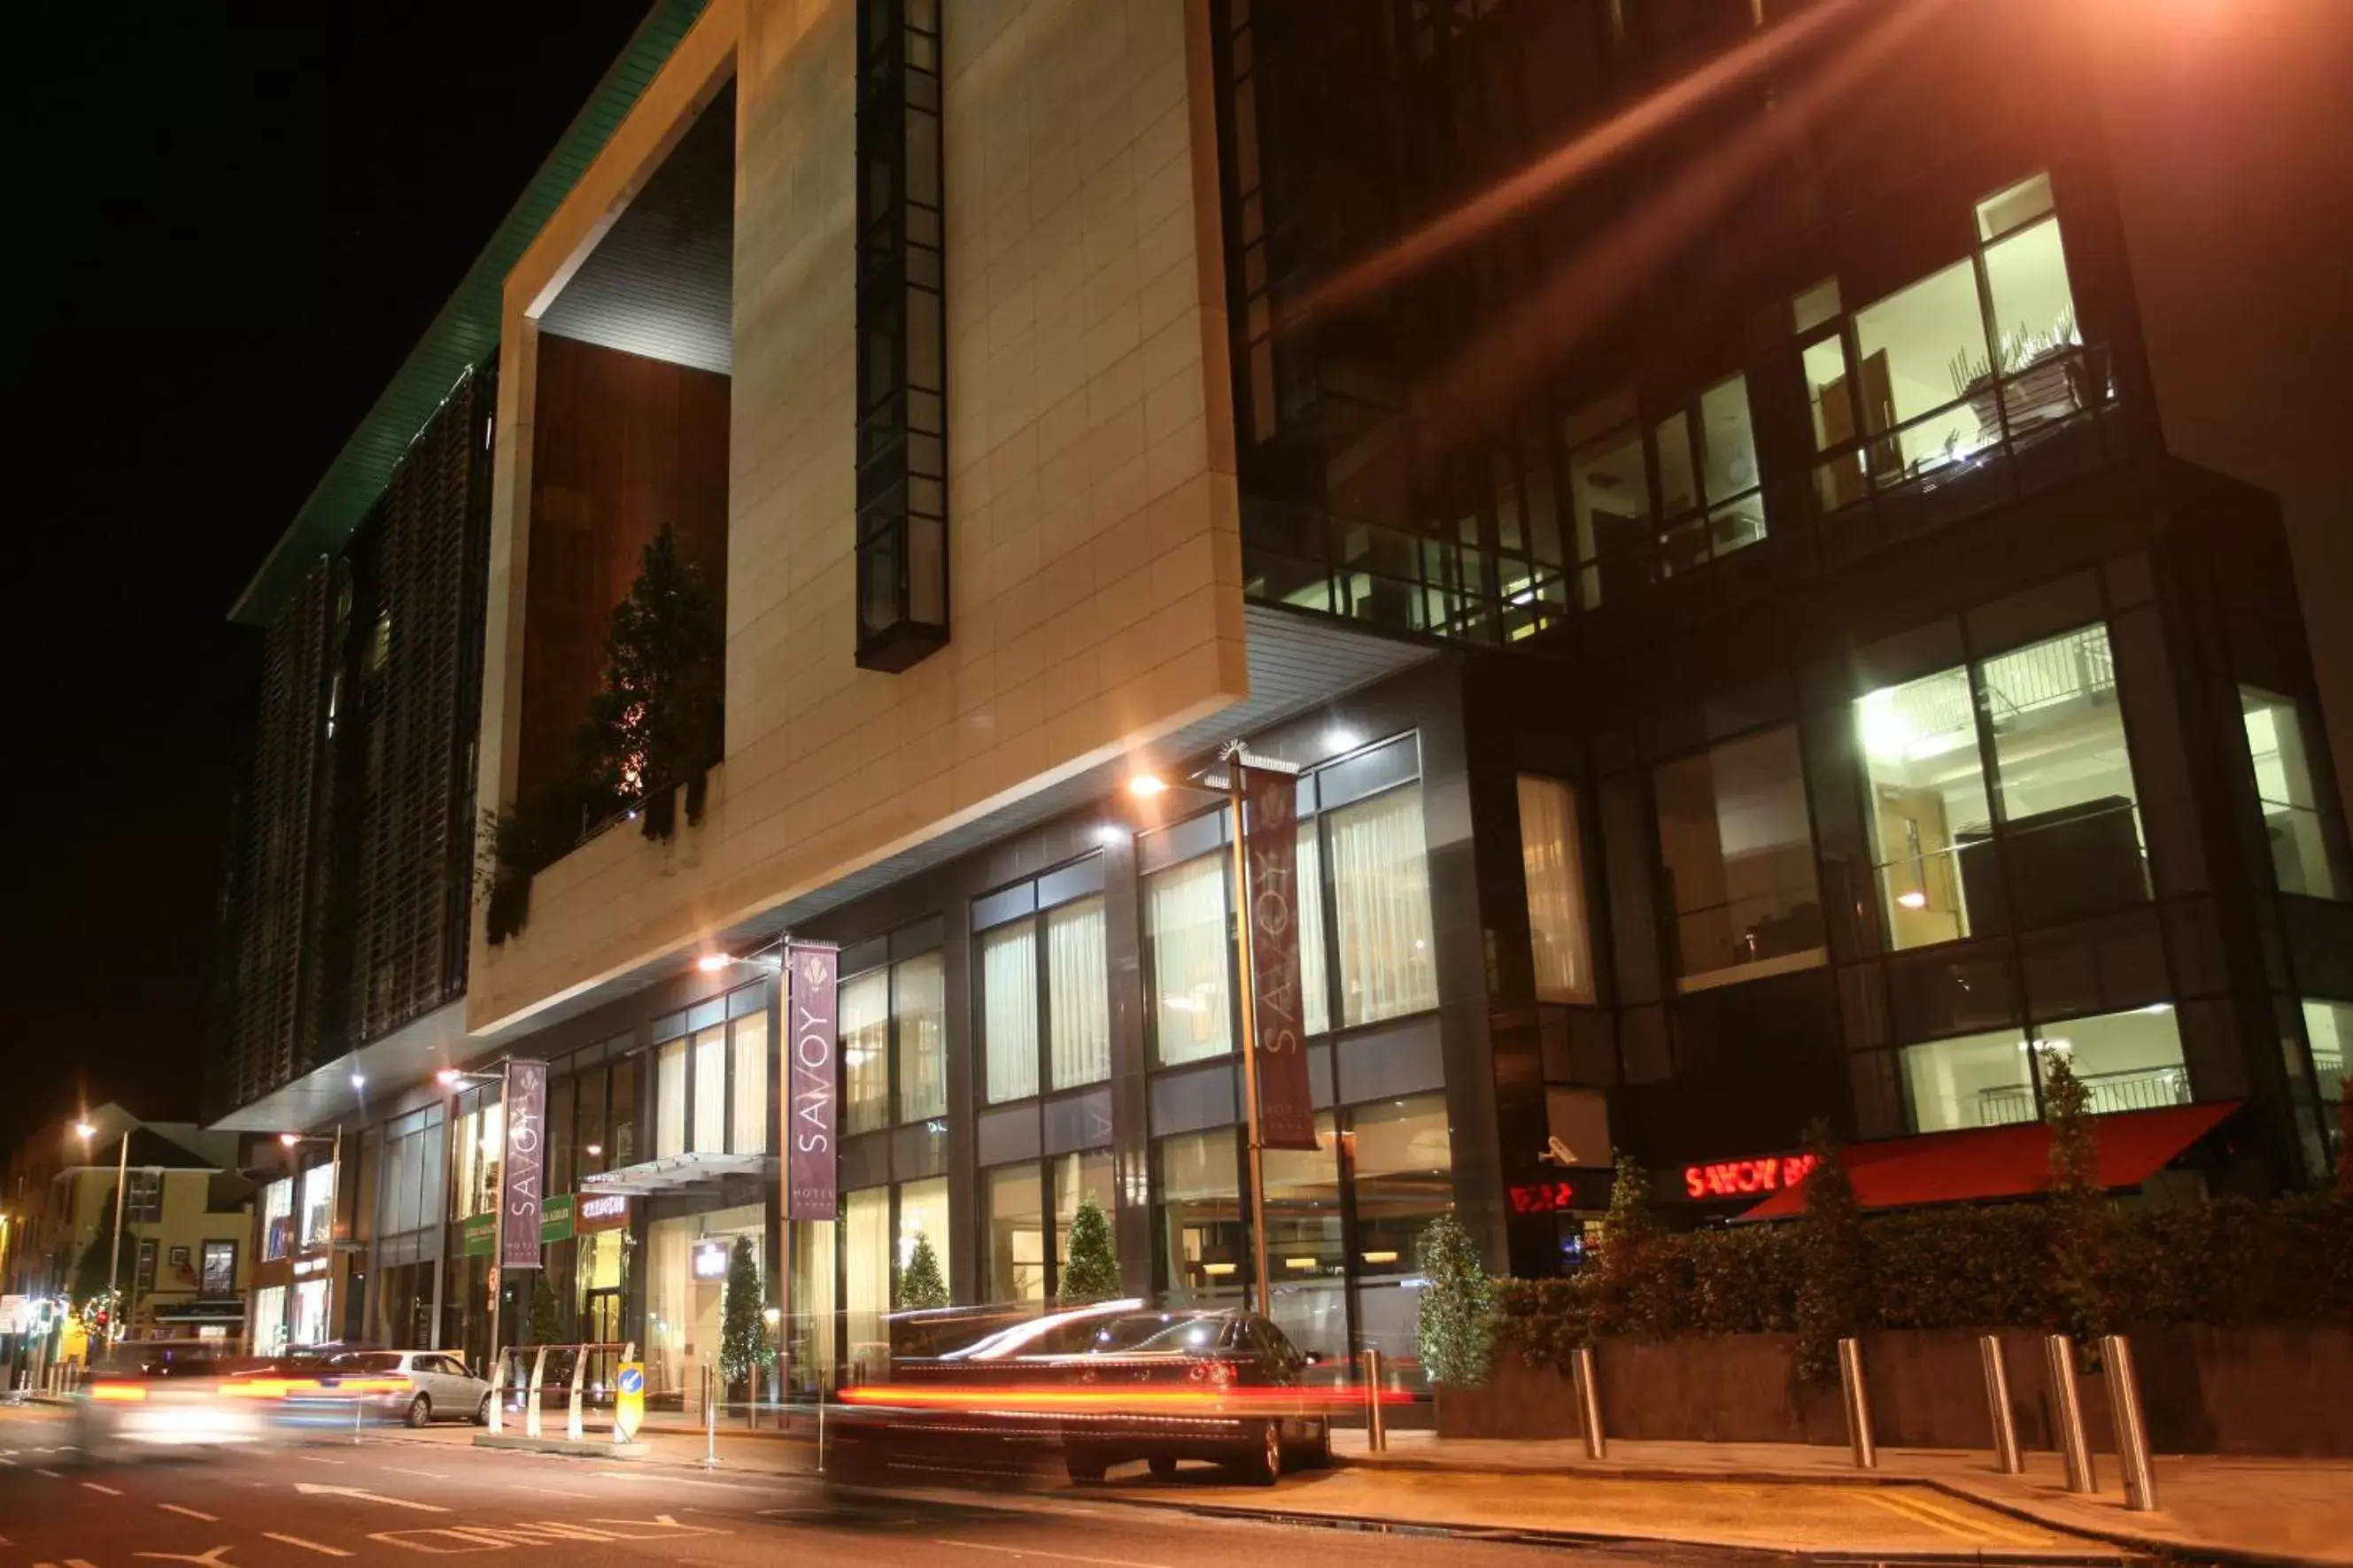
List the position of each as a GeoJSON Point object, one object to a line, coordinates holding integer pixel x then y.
{"type": "Point", "coordinates": [1033, 1397]}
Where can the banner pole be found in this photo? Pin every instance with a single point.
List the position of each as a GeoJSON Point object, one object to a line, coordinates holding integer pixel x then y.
{"type": "Point", "coordinates": [1262, 1288]}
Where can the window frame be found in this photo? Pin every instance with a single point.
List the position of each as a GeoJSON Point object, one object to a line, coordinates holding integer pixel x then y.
{"type": "Point", "coordinates": [1035, 913]}
{"type": "Point", "coordinates": [1670, 918]}
{"type": "Point", "coordinates": [889, 960]}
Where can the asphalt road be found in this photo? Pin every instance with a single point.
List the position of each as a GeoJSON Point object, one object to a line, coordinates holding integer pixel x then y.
{"type": "Point", "coordinates": [324, 1504]}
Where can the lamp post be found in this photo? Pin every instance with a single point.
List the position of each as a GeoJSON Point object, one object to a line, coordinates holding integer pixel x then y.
{"type": "Point", "coordinates": [1228, 785]}
{"type": "Point", "coordinates": [114, 1265]}
{"type": "Point", "coordinates": [292, 1140]}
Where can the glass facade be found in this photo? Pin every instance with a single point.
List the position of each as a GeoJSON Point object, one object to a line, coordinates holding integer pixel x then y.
{"type": "Point", "coordinates": [1737, 850]}
{"type": "Point", "coordinates": [2297, 822]}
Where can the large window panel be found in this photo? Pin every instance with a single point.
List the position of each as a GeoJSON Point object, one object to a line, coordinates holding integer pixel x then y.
{"type": "Point", "coordinates": [1016, 1235]}
{"type": "Point", "coordinates": [919, 996]}
{"type": "Point", "coordinates": [1930, 818]}
{"type": "Point", "coordinates": [711, 1090]}
{"type": "Point", "coordinates": [2295, 822]}
{"type": "Point", "coordinates": [2066, 779]}
{"type": "Point", "coordinates": [1737, 847]}
{"type": "Point", "coordinates": [751, 1049]}
{"type": "Point", "coordinates": [1078, 985]}
{"type": "Point", "coordinates": [2127, 1061]}
{"type": "Point", "coordinates": [867, 1274]}
{"type": "Point", "coordinates": [2032, 302]}
{"type": "Point", "coordinates": [1404, 1177]}
{"type": "Point", "coordinates": [1380, 890]}
{"type": "Point", "coordinates": [1974, 1080]}
{"type": "Point", "coordinates": [1920, 350]}
{"type": "Point", "coordinates": [1077, 1176]}
{"type": "Point", "coordinates": [1186, 923]}
{"type": "Point", "coordinates": [1314, 971]}
{"type": "Point", "coordinates": [1307, 1249]}
{"type": "Point", "coordinates": [865, 1028]}
{"type": "Point", "coordinates": [1009, 1010]}
{"type": "Point", "coordinates": [1203, 1241]}
{"type": "Point", "coordinates": [1554, 862]}
{"type": "Point", "coordinates": [923, 1214]}
{"type": "Point", "coordinates": [670, 1099]}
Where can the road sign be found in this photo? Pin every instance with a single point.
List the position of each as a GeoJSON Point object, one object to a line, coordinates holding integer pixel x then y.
{"type": "Point", "coordinates": [629, 1400]}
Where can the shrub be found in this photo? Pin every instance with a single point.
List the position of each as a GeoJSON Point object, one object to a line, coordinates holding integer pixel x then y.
{"type": "Point", "coordinates": [1455, 1328]}
{"type": "Point", "coordinates": [1092, 1271]}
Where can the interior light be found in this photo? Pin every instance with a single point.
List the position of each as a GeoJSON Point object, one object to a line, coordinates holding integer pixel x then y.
{"type": "Point", "coordinates": [1144, 786]}
{"type": "Point", "coordinates": [1914, 900]}
{"type": "Point", "coordinates": [712, 962]}
{"type": "Point", "coordinates": [289, 1139]}
{"type": "Point", "coordinates": [359, 1080]}
{"type": "Point", "coordinates": [1110, 834]}
{"type": "Point", "coordinates": [1218, 1271]}
{"type": "Point", "coordinates": [84, 1130]}
{"type": "Point", "coordinates": [447, 1077]}
{"type": "Point", "coordinates": [1340, 738]}
{"type": "Point", "coordinates": [1300, 1262]}
{"type": "Point", "coordinates": [594, 1151]}
{"type": "Point", "coordinates": [1380, 1258]}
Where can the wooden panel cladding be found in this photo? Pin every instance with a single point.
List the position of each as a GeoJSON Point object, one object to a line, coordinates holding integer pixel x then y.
{"type": "Point", "coordinates": [621, 445]}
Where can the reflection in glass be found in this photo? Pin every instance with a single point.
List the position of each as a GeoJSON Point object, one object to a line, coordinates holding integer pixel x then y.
{"type": "Point", "coordinates": [1203, 1239]}
{"type": "Point", "coordinates": [1016, 1235]}
{"type": "Point", "coordinates": [1738, 851]}
{"type": "Point", "coordinates": [2292, 820]}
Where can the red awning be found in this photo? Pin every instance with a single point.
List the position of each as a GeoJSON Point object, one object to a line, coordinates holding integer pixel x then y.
{"type": "Point", "coordinates": [2005, 1162]}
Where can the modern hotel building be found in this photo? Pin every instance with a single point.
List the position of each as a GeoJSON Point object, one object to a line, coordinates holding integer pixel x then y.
{"type": "Point", "coordinates": [1683, 480]}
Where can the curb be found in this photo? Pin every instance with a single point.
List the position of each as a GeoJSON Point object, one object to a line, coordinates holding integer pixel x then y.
{"type": "Point", "coordinates": [2158, 1546]}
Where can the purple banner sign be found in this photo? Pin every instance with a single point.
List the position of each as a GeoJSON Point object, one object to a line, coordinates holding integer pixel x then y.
{"type": "Point", "coordinates": [811, 1190]}
{"type": "Point", "coordinates": [1286, 1101]}
{"type": "Point", "coordinates": [523, 1171]}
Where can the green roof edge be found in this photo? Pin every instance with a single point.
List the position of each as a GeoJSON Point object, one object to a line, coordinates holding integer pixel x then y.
{"type": "Point", "coordinates": [463, 332]}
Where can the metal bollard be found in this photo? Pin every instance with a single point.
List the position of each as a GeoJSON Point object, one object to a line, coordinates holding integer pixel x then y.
{"type": "Point", "coordinates": [2067, 1411]}
{"type": "Point", "coordinates": [1376, 1423]}
{"type": "Point", "coordinates": [498, 1369]}
{"type": "Point", "coordinates": [572, 1430]}
{"type": "Point", "coordinates": [2132, 1431]}
{"type": "Point", "coordinates": [530, 1405]}
{"type": "Point", "coordinates": [1858, 1405]}
{"type": "Point", "coordinates": [1588, 1404]}
{"type": "Point", "coordinates": [709, 1419]}
{"type": "Point", "coordinates": [2005, 1421]}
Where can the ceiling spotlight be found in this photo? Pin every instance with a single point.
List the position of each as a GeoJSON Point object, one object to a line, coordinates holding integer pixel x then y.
{"type": "Point", "coordinates": [1146, 785]}
{"type": "Point", "coordinates": [448, 1076]}
{"type": "Point", "coordinates": [1914, 900]}
{"type": "Point", "coordinates": [1111, 833]}
{"type": "Point", "coordinates": [289, 1139]}
{"type": "Point", "coordinates": [712, 962]}
{"type": "Point", "coordinates": [594, 1151]}
{"type": "Point", "coordinates": [84, 1130]}
{"type": "Point", "coordinates": [359, 1080]}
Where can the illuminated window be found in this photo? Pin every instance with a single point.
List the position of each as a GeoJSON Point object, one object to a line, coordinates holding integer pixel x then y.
{"type": "Point", "coordinates": [1738, 849]}
{"type": "Point", "coordinates": [2297, 820]}
{"type": "Point", "coordinates": [1554, 868]}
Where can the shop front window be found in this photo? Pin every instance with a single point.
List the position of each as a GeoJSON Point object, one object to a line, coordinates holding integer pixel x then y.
{"type": "Point", "coordinates": [1203, 1239]}
{"type": "Point", "coordinates": [2295, 819]}
{"type": "Point", "coordinates": [686, 1288]}
{"type": "Point", "coordinates": [219, 1273]}
{"type": "Point", "coordinates": [1737, 847]}
{"type": "Point", "coordinates": [1016, 1235]}
{"type": "Point", "coordinates": [923, 1216]}
{"type": "Point", "coordinates": [1553, 860]}
{"type": "Point", "coordinates": [1077, 1176]}
{"type": "Point", "coordinates": [1307, 1249]}
{"type": "Point", "coordinates": [318, 1204]}
{"type": "Point", "coordinates": [866, 1279]}
{"type": "Point", "coordinates": [310, 1312]}
{"type": "Point", "coordinates": [276, 1219]}
{"type": "Point", "coordinates": [1186, 926]}
{"type": "Point", "coordinates": [476, 1142]}
{"type": "Point", "coordinates": [2064, 777]}
{"type": "Point", "coordinates": [1402, 1155]}
{"type": "Point", "coordinates": [269, 1320]}
{"type": "Point", "coordinates": [710, 1115]}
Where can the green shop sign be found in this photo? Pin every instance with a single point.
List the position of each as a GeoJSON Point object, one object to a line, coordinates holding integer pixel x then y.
{"type": "Point", "coordinates": [555, 1219]}
{"type": "Point", "coordinates": [481, 1234]}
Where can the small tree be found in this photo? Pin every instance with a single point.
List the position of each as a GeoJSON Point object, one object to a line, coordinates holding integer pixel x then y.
{"type": "Point", "coordinates": [2080, 1240]}
{"type": "Point", "coordinates": [1834, 1276]}
{"type": "Point", "coordinates": [546, 1316]}
{"type": "Point", "coordinates": [1091, 1272]}
{"type": "Point", "coordinates": [658, 722]}
{"type": "Point", "coordinates": [1455, 1331]}
{"type": "Point", "coordinates": [920, 1285]}
{"type": "Point", "coordinates": [744, 1347]}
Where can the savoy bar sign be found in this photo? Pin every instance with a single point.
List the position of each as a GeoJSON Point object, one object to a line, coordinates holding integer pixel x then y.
{"type": "Point", "coordinates": [523, 1170]}
{"type": "Point", "coordinates": [810, 969]}
{"type": "Point", "coordinates": [1286, 1099]}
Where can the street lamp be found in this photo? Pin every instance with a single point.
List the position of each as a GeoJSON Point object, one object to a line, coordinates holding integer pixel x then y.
{"type": "Point", "coordinates": [86, 1132]}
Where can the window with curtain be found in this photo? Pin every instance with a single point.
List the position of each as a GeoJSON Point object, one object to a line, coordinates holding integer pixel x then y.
{"type": "Point", "coordinates": [919, 988]}
{"type": "Point", "coordinates": [1553, 861]}
{"type": "Point", "coordinates": [1314, 979]}
{"type": "Point", "coordinates": [751, 1050]}
{"type": "Point", "coordinates": [670, 1099]}
{"type": "Point", "coordinates": [866, 1272]}
{"type": "Point", "coordinates": [1186, 924]}
{"type": "Point", "coordinates": [1380, 891]}
{"type": "Point", "coordinates": [1077, 993]}
{"type": "Point", "coordinates": [1009, 1010]}
{"type": "Point", "coordinates": [711, 1090]}
{"type": "Point", "coordinates": [865, 1026]}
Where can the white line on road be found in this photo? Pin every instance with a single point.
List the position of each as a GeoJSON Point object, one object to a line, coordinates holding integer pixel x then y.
{"type": "Point", "coordinates": [428, 1475]}
{"type": "Point", "coordinates": [307, 1489]}
{"type": "Point", "coordinates": [679, 1481]}
{"type": "Point", "coordinates": [190, 1512]}
{"type": "Point", "coordinates": [551, 1492]}
{"type": "Point", "coordinates": [314, 1459]}
{"type": "Point", "coordinates": [1034, 1552]}
{"type": "Point", "coordinates": [51, 1474]}
{"type": "Point", "coordinates": [96, 1488]}
{"type": "Point", "coordinates": [305, 1545]}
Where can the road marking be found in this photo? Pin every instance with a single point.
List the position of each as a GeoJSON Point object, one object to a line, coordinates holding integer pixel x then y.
{"type": "Point", "coordinates": [213, 1559]}
{"type": "Point", "coordinates": [51, 1474]}
{"type": "Point", "coordinates": [428, 1475]}
{"type": "Point", "coordinates": [2000, 1530]}
{"type": "Point", "coordinates": [1034, 1552]}
{"type": "Point", "coordinates": [1901, 1508]}
{"type": "Point", "coordinates": [551, 1492]}
{"type": "Point", "coordinates": [96, 1488]}
{"type": "Point", "coordinates": [678, 1481]}
{"type": "Point", "coordinates": [305, 1545]}
{"type": "Point", "coordinates": [314, 1459]}
{"type": "Point", "coordinates": [308, 1490]}
{"type": "Point", "coordinates": [192, 1514]}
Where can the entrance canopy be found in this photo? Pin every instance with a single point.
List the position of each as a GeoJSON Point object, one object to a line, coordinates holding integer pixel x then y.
{"type": "Point", "coordinates": [680, 1170]}
{"type": "Point", "coordinates": [2005, 1162]}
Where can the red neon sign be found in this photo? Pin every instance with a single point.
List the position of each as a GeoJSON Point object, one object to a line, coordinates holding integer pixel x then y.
{"type": "Point", "coordinates": [1552, 1197]}
{"type": "Point", "coordinates": [1743, 1178]}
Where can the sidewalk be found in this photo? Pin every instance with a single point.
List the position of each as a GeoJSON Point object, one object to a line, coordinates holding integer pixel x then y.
{"type": "Point", "coordinates": [2246, 1509]}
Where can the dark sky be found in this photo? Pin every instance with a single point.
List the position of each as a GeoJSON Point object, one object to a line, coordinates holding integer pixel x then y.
{"type": "Point", "coordinates": [238, 220]}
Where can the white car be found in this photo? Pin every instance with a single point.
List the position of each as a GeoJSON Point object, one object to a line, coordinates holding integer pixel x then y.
{"type": "Point", "coordinates": [432, 1385]}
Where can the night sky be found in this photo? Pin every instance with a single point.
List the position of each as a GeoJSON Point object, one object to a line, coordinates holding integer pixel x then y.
{"type": "Point", "coordinates": [237, 222]}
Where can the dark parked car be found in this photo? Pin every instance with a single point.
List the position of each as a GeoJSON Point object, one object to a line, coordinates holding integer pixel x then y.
{"type": "Point", "coordinates": [1099, 1386]}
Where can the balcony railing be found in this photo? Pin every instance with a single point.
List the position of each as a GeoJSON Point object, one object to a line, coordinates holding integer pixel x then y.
{"type": "Point", "coordinates": [2140, 1088]}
